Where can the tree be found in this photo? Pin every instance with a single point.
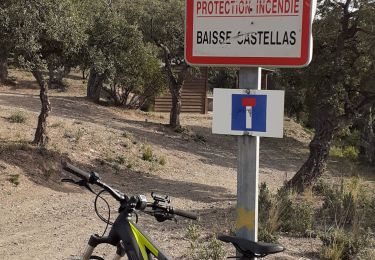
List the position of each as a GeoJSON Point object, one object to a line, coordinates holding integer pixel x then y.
{"type": "Point", "coordinates": [163, 24]}
{"type": "Point", "coordinates": [43, 31]}
{"type": "Point", "coordinates": [339, 77]}
{"type": "Point", "coordinates": [5, 38]}
{"type": "Point", "coordinates": [120, 61]}
{"type": "Point", "coordinates": [223, 77]}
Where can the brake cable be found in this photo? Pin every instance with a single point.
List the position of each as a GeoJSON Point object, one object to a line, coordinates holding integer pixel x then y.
{"type": "Point", "coordinates": [107, 221]}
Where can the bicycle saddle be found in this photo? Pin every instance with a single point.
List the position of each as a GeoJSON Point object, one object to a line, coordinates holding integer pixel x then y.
{"type": "Point", "coordinates": [250, 248]}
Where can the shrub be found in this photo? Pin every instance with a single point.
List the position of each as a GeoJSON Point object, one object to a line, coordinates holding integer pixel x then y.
{"type": "Point", "coordinates": [296, 213]}
{"type": "Point", "coordinates": [349, 210]}
{"type": "Point", "coordinates": [192, 232]}
{"type": "Point", "coordinates": [147, 154]}
{"type": "Point", "coordinates": [162, 160]}
{"type": "Point", "coordinates": [120, 159]}
{"type": "Point", "coordinates": [212, 250]}
{"type": "Point", "coordinates": [18, 117]}
{"type": "Point", "coordinates": [350, 152]}
{"type": "Point", "coordinates": [268, 216]}
{"type": "Point", "coordinates": [341, 244]}
{"type": "Point", "coordinates": [79, 134]}
{"type": "Point", "coordinates": [346, 204]}
{"type": "Point", "coordinates": [15, 179]}
{"type": "Point", "coordinates": [335, 151]}
{"type": "Point", "coordinates": [285, 211]}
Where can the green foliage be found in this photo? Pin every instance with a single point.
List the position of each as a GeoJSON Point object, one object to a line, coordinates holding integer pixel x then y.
{"type": "Point", "coordinates": [296, 212]}
{"type": "Point", "coordinates": [222, 77]}
{"type": "Point", "coordinates": [212, 250]}
{"type": "Point", "coordinates": [340, 244]}
{"type": "Point", "coordinates": [14, 179]}
{"type": "Point", "coordinates": [163, 22]}
{"type": "Point", "coordinates": [148, 154]}
{"type": "Point", "coordinates": [18, 117]}
{"type": "Point", "coordinates": [268, 215]}
{"type": "Point", "coordinates": [348, 204]}
{"type": "Point", "coordinates": [117, 52]}
{"type": "Point", "coordinates": [285, 211]}
{"type": "Point", "coordinates": [193, 232]}
{"type": "Point", "coordinates": [336, 151]}
{"type": "Point", "coordinates": [348, 209]}
{"type": "Point", "coordinates": [162, 160]}
{"type": "Point", "coordinates": [120, 159]}
{"type": "Point", "coordinates": [333, 92]}
{"type": "Point", "coordinates": [348, 152]}
{"type": "Point", "coordinates": [79, 134]}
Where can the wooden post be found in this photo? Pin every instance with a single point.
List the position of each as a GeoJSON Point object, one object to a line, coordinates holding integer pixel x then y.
{"type": "Point", "coordinates": [248, 168]}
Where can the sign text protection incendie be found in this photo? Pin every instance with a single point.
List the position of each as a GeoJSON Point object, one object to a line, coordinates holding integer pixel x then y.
{"type": "Point", "coordinates": [248, 32]}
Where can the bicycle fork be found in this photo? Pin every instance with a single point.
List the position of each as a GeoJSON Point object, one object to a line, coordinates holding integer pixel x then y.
{"type": "Point", "coordinates": [95, 241]}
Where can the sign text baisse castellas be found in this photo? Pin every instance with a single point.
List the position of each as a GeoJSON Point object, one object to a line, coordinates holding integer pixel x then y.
{"type": "Point", "coordinates": [249, 32]}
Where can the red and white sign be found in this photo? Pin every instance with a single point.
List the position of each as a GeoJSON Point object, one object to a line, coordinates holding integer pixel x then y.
{"type": "Point", "coordinates": [274, 33]}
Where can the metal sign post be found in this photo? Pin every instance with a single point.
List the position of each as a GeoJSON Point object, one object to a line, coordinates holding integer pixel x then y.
{"type": "Point", "coordinates": [248, 168]}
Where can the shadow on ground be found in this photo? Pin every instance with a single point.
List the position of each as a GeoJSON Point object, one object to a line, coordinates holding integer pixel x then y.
{"type": "Point", "coordinates": [43, 167]}
{"type": "Point", "coordinates": [279, 154]}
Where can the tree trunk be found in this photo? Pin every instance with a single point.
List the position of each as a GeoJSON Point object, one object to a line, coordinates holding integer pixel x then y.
{"type": "Point", "coordinates": [3, 66]}
{"type": "Point", "coordinates": [174, 119]}
{"type": "Point", "coordinates": [41, 137]}
{"type": "Point", "coordinates": [95, 85]}
{"type": "Point", "coordinates": [368, 137]}
{"type": "Point", "coordinates": [316, 164]}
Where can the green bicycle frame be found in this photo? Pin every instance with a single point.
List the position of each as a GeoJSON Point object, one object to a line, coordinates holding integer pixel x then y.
{"type": "Point", "coordinates": [129, 239]}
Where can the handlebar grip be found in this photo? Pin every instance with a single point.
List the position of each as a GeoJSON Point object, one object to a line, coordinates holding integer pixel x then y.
{"type": "Point", "coordinates": [185, 214]}
{"type": "Point", "coordinates": [76, 171]}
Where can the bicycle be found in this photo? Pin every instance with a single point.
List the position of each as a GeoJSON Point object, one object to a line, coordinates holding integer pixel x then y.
{"type": "Point", "coordinates": [130, 240]}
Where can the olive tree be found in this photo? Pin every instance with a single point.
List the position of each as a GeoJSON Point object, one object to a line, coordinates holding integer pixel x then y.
{"type": "Point", "coordinates": [121, 63]}
{"type": "Point", "coordinates": [340, 77]}
{"type": "Point", "coordinates": [43, 31]}
{"type": "Point", "coordinates": [163, 24]}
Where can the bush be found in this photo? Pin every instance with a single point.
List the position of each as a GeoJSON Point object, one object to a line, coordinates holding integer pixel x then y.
{"type": "Point", "coordinates": [296, 212]}
{"type": "Point", "coordinates": [213, 250]}
{"type": "Point", "coordinates": [120, 159]}
{"type": "Point", "coordinates": [14, 179]}
{"type": "Point", "coordinates": [162, 160]}
{"type": "Point", "coordinates": [349, 209]}
{"type": "Point", "coordinates": [346, 204]}
{"type": "Point", "coordinates": [349, 152]}
{"type": "Point", "coordinates": [147, 154]}
{"type": "Point", "coordinates": [286, 212]}
{"type": "Point", "coordinates": [341, 244]}
{"type": "Point", "coordinates": [18, 117]}
{"type": "Point", "coordinates": [193, 232]}
{"type": "Point", "coordinates": [268, 216]}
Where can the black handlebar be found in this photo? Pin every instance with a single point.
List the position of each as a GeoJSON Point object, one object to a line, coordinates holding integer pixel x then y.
{"type": "Point", "coordinates": [184, 214]}
{"type": "Point", "coordinates": [93, 178]}
{"type": "Point", "coordinates": [76, 171]}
